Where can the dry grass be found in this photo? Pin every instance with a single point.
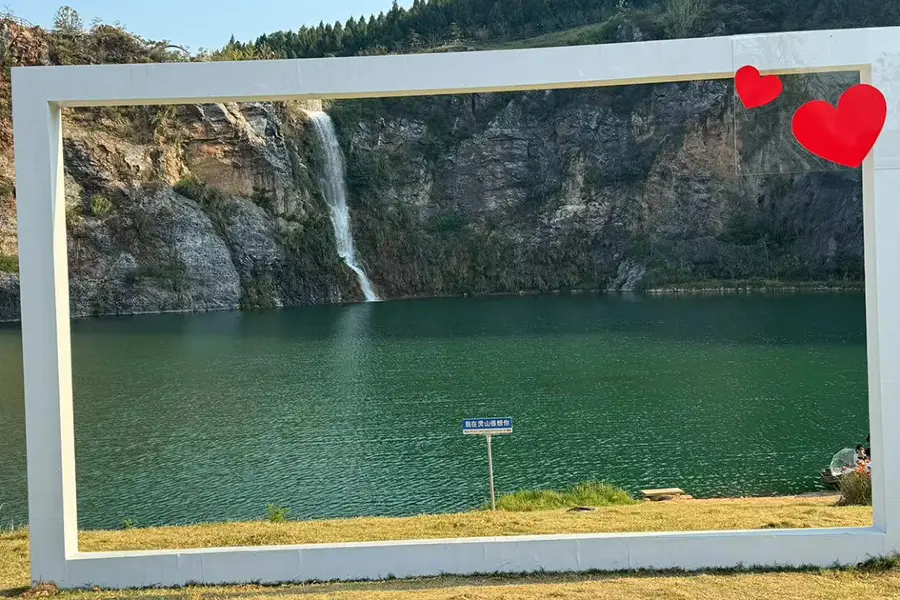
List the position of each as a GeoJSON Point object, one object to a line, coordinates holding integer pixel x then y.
{"type": "Point", "coordinates": [668, 516]}
{"type": "Point", "coordinates": [856, 489]}
{"type": "Point", "coordinates": [824, 585]}
{"type": "Point", "coordinates": [687, 515]}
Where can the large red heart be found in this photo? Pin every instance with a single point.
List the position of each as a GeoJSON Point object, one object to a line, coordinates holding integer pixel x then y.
{"type": "Point", "coordinates": [754, 90]}
{"type": "Point", "coordinates": [843, 135]}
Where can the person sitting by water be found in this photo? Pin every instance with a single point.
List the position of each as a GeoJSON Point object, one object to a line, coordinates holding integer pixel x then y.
{"type": "Point", "coordinates": [868, 448]}
{"type": "Point", "coordinates": [846, 461]}
{"type": "Point", "coordinates": [864, 462]}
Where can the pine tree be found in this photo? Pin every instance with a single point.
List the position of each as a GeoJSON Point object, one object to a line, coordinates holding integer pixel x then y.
{"type": "Point", "coordinates": [337, 37]}
{"type": "Point", "coordinates": [497, 19]}
{"type": "Point", "coordinates": [455, 33]}
{"type": "Point", "coordinates": [68, 21]}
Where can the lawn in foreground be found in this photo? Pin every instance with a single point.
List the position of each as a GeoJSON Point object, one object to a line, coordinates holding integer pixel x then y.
{"type": "Point", "coordinates": [854, 584]}
{"type": "Point", "coordinates": [688, 515]}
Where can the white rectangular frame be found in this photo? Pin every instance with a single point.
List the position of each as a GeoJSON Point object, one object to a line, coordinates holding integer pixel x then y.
{"type": "Point", "coordinates": [40, 92]}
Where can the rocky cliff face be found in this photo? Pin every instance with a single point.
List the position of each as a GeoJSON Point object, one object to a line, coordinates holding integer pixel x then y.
{"type": "Point", "coordinates": [218, 206]}
{"type": "Point", "coordinates": [595, 189]}
{"type": "Point", "coordinates": [233, 235]}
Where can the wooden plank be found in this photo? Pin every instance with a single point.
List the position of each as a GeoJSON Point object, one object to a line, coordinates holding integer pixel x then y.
{"type": "Point", "coordinates": [662, 492]}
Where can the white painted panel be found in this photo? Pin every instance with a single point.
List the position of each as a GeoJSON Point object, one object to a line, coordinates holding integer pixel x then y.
{"type": "Point", "coordinates": [885, 421]}
{"type": "Point", "coordinates": [562, 553]}
{"type": "Point", "coordinates": [885, 75]}
{"type": "Point", "coordinates": [47, 361]}
{"type": "Point", "coordinates": [457, 72]}
{"type": "Point", "coordinates": [805, 51]}
{"type": "Point", "coordinates": [872, 337]}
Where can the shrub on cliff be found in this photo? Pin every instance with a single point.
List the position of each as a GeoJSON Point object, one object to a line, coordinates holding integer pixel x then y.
{"type": "Point", "coordinates": [9, 264]}
{"type": "Point", "coordinates": [190, 187]}
{"type": "Point", "coordinates": [101, 205]}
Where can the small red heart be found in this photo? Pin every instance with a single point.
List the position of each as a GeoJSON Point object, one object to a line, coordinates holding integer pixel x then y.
{"type": "Point", "coordinates": [843, 135]}
{"type": "Point", "coordinates": [754, 90]}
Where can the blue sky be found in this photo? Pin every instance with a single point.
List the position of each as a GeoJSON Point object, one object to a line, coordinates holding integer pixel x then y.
{"type": "Point", "coordinates": [202, 23]}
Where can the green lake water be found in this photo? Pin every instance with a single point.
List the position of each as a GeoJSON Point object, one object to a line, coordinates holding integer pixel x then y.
{"type": "Point", "coordinates": [338, 411]}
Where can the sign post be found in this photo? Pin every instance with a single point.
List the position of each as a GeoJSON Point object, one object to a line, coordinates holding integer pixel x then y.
{"type": "Point", "coordinates": [488, 428]}
{"type": "Point", "coordinates": [491, 474]}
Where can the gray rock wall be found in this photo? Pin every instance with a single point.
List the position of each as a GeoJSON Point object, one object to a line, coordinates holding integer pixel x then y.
{"type": "Point", "coordinates": [217, 206]}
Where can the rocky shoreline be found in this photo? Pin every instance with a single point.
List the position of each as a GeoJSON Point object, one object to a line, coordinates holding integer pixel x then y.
{"type": "Point", "coordinates": [9, 295]}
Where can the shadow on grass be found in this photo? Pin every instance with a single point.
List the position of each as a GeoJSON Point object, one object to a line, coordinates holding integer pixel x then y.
{"type": "Point", "coordinates": [873, 566]}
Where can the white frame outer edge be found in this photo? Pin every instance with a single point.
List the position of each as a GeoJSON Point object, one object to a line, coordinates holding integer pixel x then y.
{"type": "Point", "coordinates": [40, 92]}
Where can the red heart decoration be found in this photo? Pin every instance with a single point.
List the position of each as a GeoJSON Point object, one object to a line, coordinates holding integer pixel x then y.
{"type": "Point", "coordinates": [754, 90]}
{"type": "Point", "coordinates": [843, 135]}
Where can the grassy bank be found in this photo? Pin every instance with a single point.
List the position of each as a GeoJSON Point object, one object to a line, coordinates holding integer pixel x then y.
{"type": "Point", "coordinates": [583, 494]}
{"type": "Point", "coordinates": [687, 515]}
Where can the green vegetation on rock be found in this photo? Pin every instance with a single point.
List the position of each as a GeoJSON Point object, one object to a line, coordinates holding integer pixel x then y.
{"type": "Point", "coordinates": [214, 202]}
{"type": "Point", "coordinates": [100, 205]}
{"type": "Point", "coordinates": [9, 264]}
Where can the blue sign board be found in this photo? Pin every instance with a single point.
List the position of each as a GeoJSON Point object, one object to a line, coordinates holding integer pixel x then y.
{"type": "Point", "coordinates": [492, 426]}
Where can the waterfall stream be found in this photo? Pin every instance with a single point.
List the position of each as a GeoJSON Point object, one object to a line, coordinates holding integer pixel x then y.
{"type": "Point", "coordinates": [334, 186]}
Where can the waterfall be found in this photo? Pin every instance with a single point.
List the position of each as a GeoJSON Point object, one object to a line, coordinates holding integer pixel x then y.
{"type": "Point", "coordinates": [334, 187]}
